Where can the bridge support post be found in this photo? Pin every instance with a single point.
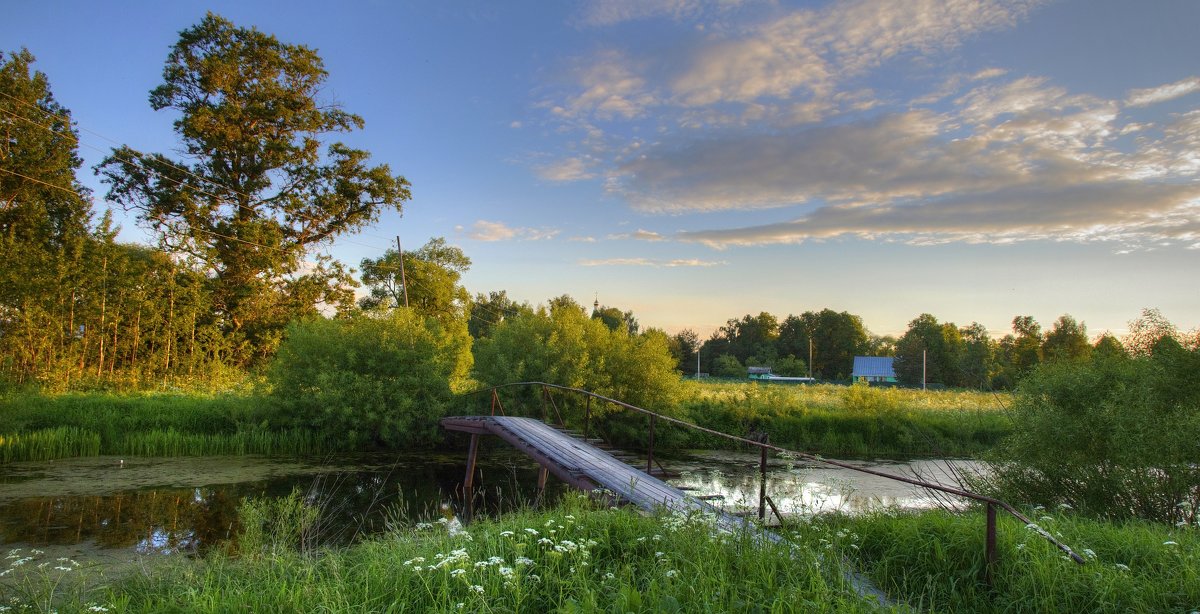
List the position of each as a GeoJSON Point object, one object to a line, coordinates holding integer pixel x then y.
{"type": "Point", "coordinates": [991, 556]}
{"type": "Point", "coordinates": [543, 474]}
{"type": "Point", "coordinates": [762, 475]}
{"type": "Point", "coordinates": [650, 453]}
{"type": "Point", "coordinates": [472, 456]}
{"type": "Point", "coordinates": [587, 418]}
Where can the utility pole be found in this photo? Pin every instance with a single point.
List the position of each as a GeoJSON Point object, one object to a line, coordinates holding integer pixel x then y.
{"type": "Point", "coordinates": [810, 356]}
{"type": "Point", "coordinates": [697, 362]}
{"type": "Point", "coordinates": [922, 369]}
{"type": "Point", "coordinates": [403, 281]}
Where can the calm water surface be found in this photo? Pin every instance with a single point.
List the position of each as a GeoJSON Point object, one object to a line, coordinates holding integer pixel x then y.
{"type": "Point", "coordinates": [153, 506]}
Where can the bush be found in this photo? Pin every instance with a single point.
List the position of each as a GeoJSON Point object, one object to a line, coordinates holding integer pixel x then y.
{"type": "Point", "coordinates": [563, 346]}
{"type": "Point", "coordinates": [382, 379]}
{"type": "Point", "coordinates": [1117, 437]}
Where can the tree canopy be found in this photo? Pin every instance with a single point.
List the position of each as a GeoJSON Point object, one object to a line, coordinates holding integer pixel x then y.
{"type": "Point", "coordinates": [256, 191]}
{"type": "Point", "coordinates": [432, 274]}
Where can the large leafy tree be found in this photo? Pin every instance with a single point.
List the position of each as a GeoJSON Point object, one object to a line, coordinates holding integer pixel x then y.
{"type": "Point", "coordinates": [932, 348]}
{"type": "Point", "coordinates": [44, 224]}
{"type": "Point", "coordinates": [260, 185]}
{"type": "Point", "coordinates": [835, 337]}
{"type": "Point", "coordinates": [432, 274]}
{"type": "Point", "coordinates": [1067, 341]}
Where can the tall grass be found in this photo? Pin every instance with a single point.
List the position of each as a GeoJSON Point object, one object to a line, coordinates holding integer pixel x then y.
{"type": "Point", "coordinates": [39, 427]}
{"type": "Point", "coordinates": [49, 444]}
{"type": "Point", "coordinates": [581, 558]}
{"type": "Point", "coordinates": [576, 558]}
{"type": "Point", "coordinates": [935, 561]}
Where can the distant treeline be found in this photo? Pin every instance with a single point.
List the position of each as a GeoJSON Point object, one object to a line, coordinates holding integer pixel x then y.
{"type": "Point", "coordinates": [943, 352]}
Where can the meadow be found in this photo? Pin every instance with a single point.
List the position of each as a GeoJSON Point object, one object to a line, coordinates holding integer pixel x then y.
{"type": "Point", "coordinates": [845, 421]}
{"type": "Point", "coordinates": [851, 421]}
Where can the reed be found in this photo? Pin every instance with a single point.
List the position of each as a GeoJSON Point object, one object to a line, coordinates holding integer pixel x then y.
{"type": "Point", "coordinates": [49, 444]}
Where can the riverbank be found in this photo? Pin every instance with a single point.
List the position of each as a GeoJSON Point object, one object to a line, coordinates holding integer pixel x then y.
{"type": "Point", "coordinates": [841, 421]}
{"type": "Point", "coordinates": [580, 558]}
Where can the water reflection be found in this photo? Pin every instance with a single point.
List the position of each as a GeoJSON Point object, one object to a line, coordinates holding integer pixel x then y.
{"type": "Point", "coordinates": [803, 487]}
{"type": "Point", "coordinates": [188, 505]}
{"type": "Point", "coordinates": [167, 506]}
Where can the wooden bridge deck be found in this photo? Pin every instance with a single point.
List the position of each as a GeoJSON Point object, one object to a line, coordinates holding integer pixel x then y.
{"type": "Point", "coordinates": [587, 467]}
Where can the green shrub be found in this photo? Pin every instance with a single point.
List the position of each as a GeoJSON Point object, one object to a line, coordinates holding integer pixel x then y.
{"type": "Point", "coordinates": [1117, 437]}
{"type": "Point", "coordinates": [563, 346]}
{"type": "Point", "coordinates": [382, 379]}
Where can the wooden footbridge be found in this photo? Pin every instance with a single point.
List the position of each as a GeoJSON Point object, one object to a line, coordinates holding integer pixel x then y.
{"type": "Point", "coordinates": [572, 457]}
{"type": "Point", "coordinates": [582, 465]}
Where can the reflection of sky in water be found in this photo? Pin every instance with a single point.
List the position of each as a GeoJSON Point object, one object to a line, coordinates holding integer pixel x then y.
{"type": "Point", "coordinates": [803, 487]}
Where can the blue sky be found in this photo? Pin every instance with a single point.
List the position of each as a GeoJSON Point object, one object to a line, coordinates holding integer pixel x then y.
{"type": "Point", "coordinates": [696, 161]}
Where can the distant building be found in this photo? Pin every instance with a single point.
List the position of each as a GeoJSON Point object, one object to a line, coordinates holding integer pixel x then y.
{"type": "Point", "coordinates": [763, 374]}
{"type": "Point", "coordinates": [759, 372]}
{"type": "Point", "coordinates": [873, 369]}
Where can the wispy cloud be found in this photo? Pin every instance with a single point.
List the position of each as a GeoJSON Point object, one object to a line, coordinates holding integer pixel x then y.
{"type": "Point", "coordinates": [484, 230]}
{"type": "Point", "coordinates": [570, 169]}
{"type": "Point", "coordinates": [1162, 93]}
{"type": "Point", "coordinates": [639, 235]}
{"type": "Point", "coordinates": [611, 12]}
{"type": "Point", "coordinates": [649, 262]}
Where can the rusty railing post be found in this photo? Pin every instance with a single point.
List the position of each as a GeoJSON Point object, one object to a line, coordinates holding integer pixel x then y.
{"type": "Point", "coordinates": [762, 475]}
{"type": "Point", "coordinates": [650, 455]}
{"type": "Point", "coordinates": [545, 415]}
{"type": "Point", "coordinates": [991, 557]}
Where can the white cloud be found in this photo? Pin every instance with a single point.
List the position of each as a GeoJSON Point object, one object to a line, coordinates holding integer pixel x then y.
{"type": "Point", "coordinates": [612, 12]}
{"type": "Point", "coordinates": [679, 262]}
{"type": "Point", "coordinates": [484, 230]}
{"type": "Point", "coordinates": [1013, 161]}
{"type": "Point", "coordinates": [570, 169]}
{"type": "Point", "coordinates": [810, 52]}
{"type": "Point", "coordinates": [640, 235]}
{"type": "Point", "coordinates": [1162, 93]}
{"type": "Point", "coordinates": [611, 87]}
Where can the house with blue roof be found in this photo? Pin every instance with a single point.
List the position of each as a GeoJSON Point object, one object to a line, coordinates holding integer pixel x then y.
{"type": "Point", "coordinates": [873, 369]}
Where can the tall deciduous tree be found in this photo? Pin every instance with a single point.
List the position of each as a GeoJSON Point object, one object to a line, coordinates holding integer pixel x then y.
{"type": "Point", "coordinates": [432, 274]}
{"type": "Point", "coordinates": [933, 348]}
{"type": "Point", "coordinates": [44, 223]}
{"type": "Point", "coordinates": [256, 191]}
{"type": "Point", "coordinates": [1067, 340]}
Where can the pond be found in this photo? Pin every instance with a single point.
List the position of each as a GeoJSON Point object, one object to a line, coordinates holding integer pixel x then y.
{"type": "Point", "coordinates": [112, 507]}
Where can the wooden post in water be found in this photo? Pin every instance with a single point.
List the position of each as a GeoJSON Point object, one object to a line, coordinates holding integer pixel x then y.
{"type": "Point", "coordinates": [469, 480]}
{"type": "Point", "coordinates": [762, 474]}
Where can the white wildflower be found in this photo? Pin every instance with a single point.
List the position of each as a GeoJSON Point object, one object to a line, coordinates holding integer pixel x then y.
{"type": "Point", "coordinates": [531, 531]}
{"type": "Point", "coordinates": [671, 573]}
{"type": "Point", "coordinates": [478, 589]}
